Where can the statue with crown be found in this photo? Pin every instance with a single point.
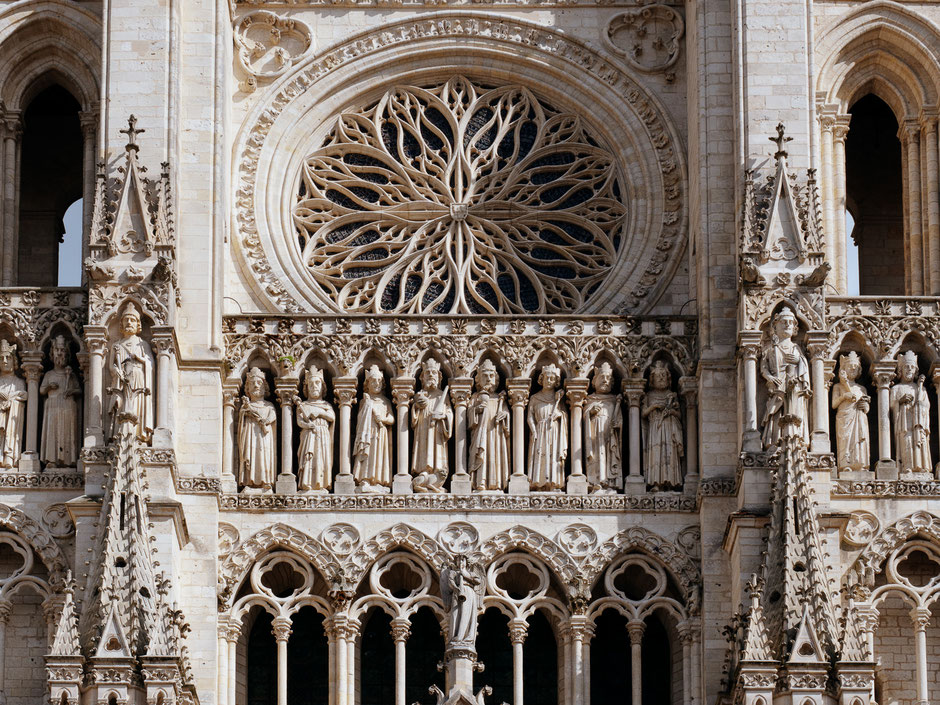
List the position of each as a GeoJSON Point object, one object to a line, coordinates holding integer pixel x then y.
{"type": "Point", "coordinates": [132, 380]}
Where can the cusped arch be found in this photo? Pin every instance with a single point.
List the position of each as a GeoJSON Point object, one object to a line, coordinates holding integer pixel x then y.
{"type": "Point", "coordinates": [874, 40]}
{"type": "Point", "coordinates": [432, 48]}
{"type": "Point", "coordinates": [236, 565]}
{"type": "Point", "coordinates": [521, 538]}
{"type": "Point", "coordinates": [398, 536]}
{"type": "Point", "coordinates": [678, 564]}
{"type": "Point", "coordinates": [870, 560]}
{"type": "Point", "coordinates": [40, 540]}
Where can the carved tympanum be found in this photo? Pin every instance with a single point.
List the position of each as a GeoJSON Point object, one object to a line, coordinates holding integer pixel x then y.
{"type": "Point", "coordinates": [459, 198]}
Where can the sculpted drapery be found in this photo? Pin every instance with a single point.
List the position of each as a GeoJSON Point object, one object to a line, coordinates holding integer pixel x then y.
{"type": "Point", "coordinates": [603, 433]}
{"type": "Point", "coordinates": [663, 431]}
{"type": "Point", "coordinates": [548, 428]}
{"type": "Point", "coordinates": [132, 378]}
{"type": "Point", "coordinates": [315, 417]}
{"type": "Point", "coordinates": [488, 420]}
{"type": "Point", "coordinates": [61, 412]}
{"type": "Point", "coordinates": [910, 407]}
{"type": "Point", "coordinates": [432, 419]}
{"type": "Point", "coordinates": [852, 404]}
{"type": "Point", "coordinates": [786, 372]}
{"type": "Point", "coordinates": [12, 407]}
{"type": "Point", "coordinates": [372, 468]}
{"type": "Point", "coordinates": [256, 434]}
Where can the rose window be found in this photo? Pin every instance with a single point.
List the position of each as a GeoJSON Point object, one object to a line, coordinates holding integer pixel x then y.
{"type": "Point", "coordinates": [460, 199]}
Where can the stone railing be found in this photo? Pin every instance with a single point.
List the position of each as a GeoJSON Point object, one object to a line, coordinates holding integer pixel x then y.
{"type": "Point", "coordinates": [373, 404]}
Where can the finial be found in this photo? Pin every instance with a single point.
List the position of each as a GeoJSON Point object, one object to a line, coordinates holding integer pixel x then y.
{"type": "Point", "coordinates": [132, 133]}
{"type": "Point", "coordinates": [780, 140]}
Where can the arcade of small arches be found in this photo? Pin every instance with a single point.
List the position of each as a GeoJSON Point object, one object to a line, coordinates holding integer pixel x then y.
{"type": "Point", "coordinates": [290, 634]}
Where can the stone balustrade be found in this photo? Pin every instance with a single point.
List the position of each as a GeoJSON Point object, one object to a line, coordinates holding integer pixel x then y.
{"type": "Point", "coordinates": [376, 404]}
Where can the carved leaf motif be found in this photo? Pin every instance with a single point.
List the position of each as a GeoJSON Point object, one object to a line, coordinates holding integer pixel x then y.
{"type": "Point", "coordinates": [459, 199]}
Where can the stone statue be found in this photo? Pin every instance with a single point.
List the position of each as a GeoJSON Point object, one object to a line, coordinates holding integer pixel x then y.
{"type": "Point", "coordinates": [852, 403]}
{"type": "Point", "coordinates": [663, 445]}
{"type": "Point", "coordinates": [62, 410]}
{"type": "Point", "coordinates": [462, 590]}
{"type": "Point", "coordinates": [548, 428]}
{"type": "Point", "coordinates": [257, 454]}
{"type": "Point", "coordinates": [432, 419]}
{"type": "Point", "coordinates": [12, 407]}
{"type": "Point", "coordinates": [786, 371]}
{"type": "Point", "coordinates": [603, 433]}
{"type": "Point", "coordinates": [373, 447]}
{"type": "Point", "coordinates": [315, 417]}
{"type": "Point", "coordinates": [488, 420]}
{"type": "Point", "coordinates": [910, 408]}
{"type": "Point", "coordinates": [131, 364]}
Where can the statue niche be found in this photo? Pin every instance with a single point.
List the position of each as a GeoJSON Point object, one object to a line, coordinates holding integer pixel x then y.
{"type": "Point", "coordinates": [852, 403]}
{"type": "Point", "coordinates": [603, 433]}
{"type": "Point", "coordinates": [372, 468]}
{"type": "Point", "coordinates": [663, 443]}
{"type": "Point", "coordinates": [257, 455]}
{"type": "Point", "coordinates": [548, 428]}
{"type": "Point", "coordinates": [910, 407]}
{"type": "Point", "coordinates": [132, 378]}
{"type": "Point", "coordinates": [316, 419]}
{"type": "Point", "coordinates": [12, 407]}
{"type": "Point", "coordinates": [488, 421]}
{"type": "Point", "coordinates": [62, 410]}
{"type": "Point", "coordinates": [432, 419]}
{"type": "Point", "coordinates": [786, 372]}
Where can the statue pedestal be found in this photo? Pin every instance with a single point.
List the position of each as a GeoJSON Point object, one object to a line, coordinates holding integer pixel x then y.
{"type": "Point", "coordinates": [751, 442]}
{"type": "Point", "coordinates": [228, 484]}
{"type": "Point", "coordinates": [819, 442]}
{"type": "Point", "coordinates": [460, 484]}
{"type": "Point", "coordinates": [461, 662]}
{"type": "Point", "coordinates": [401, 484]}
{"type": "Point", "coordinates": [286, 484]}
{"type": "Point", "coordinates": [344, 484]}
{"type": "Point", "coordinates": [518, 484]}
{"type": "Point", "coordinates": [577, 484]}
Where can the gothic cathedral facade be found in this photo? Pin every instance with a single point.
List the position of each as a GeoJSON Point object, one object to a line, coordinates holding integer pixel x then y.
{"type": "Point", "coordinates": [469, 352]}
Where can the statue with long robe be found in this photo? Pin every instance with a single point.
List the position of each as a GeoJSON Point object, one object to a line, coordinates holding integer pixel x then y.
{"type": "Point", "coordinates": [316, 418]}
{"type": "Point", "coordinates": [12, 407]}
{"type": "Point", "coordinates": [488, 421]}
{"type": "Point", "coordinates": [372, 468]}
{"type": "Point", "coordinates": [786, 372]}
{"type": "Point", "coordinates": [257, 437]}
{"type": "Point", "coordinates": [663, 444]}
{"type": "Point", "coordinates": [910, 407]}
{"type": "Point", "coordinates": [432, 419]}
{"type": "Point", "coordinates": [132, 380]}
{"type": "Point", "coordinates": [462, 590]}
{"type": "Point", "coordinates": [548, 432]}
{"type": "Point", "coordinates": [603, 433]}
{"type": "Point", "coordinates": [852, 403]}
{"type": "Point", "coordinates": [59, 443]}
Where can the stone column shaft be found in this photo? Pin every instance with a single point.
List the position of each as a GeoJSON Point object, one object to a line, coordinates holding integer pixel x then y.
{"type": "Point", "coordinates": [635, 629]}
{"type": "Point", "coordinates": [344, 389]}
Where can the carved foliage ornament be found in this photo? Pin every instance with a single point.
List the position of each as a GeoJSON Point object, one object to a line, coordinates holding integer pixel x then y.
{"type": "Point", "coordinates": [267, 46]}
{"type": "Point", "coordinates": [459, 198]}
{"type": "Point", "coordinates": [647, 37]}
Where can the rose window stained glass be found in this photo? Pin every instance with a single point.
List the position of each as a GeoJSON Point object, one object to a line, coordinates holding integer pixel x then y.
{"type": "Point", "coordinates": [459, 199]}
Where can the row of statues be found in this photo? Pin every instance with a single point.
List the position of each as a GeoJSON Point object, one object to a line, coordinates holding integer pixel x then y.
{"type": "Point", "coordinates": [488, 426]}
{"type": "Point", "coordinates": [786, 372]}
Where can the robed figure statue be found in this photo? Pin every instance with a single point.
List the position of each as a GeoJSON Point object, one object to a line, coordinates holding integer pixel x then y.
{"type": "Point", "coordinates": [786, 371]}
{"type": "Point", "coordinates": [132, 380]}
{"type": "Point", "coordinates": [910, 407]}
{"type": "Point", "coordinates": [432, 419]}
{"type": "Point", "coordinates": [315, 417]}
{"type": "Point", "coordinates": [488, 420]}
{"type": "Point", "coordinates": [59, 444]}
{"type": "Point", "coordinates": [851, 402]}
{"type": "Point", "coordinates": [372, 468]}
{"type": "Point", "coordinates": [12, 407]}
{"type": "Point", "coordinates": [257, 454]}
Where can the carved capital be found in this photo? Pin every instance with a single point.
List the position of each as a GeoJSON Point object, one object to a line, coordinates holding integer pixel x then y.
{"type": "Point", "coordinates": [230, 390]}
{"type": "Point", "coordinates": [635, 629]}
{"type": "Point", "coordinates": [920, 616]}
{"type": "Point", "coordinates": [841, 128]}
{"type": "Point", "coordinates": [518, 388]}
{"type": "Point", "coordinates": [403, 388]}
{"type": "Point", "coordinates": [688, 387]}
{"type": "Point", "coordinates": [911, 132]}
{"type": "Point", "coordinates": [460, 390]}
{"type": "Point", "coordinates": [928, 120]}
{"type": "Point", "coordinates": [96, 341]}
{"type": "Point", "coordinates": [577, 390]}
{"type": "Point", "coordinates": [6, 609]}
{"type": "Point", "coordinates": [281, 627]}
{"type": "Point", "coordinates": [401, 630]}
{"type": "Point", "coordinates": [344, 390]}
{"type": "Point", "coordinates": [285, 388]}
{"type": "Point", "coordinates": [163, 345]}
{"type": "Point", "coordinates": [883, 374]}
{"type": "Point", "coordinates": [633, 389]}
{"type": "Point", "coordinates": [32, 366]}
{"type": "Point", "coordinates": [518, 629]}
